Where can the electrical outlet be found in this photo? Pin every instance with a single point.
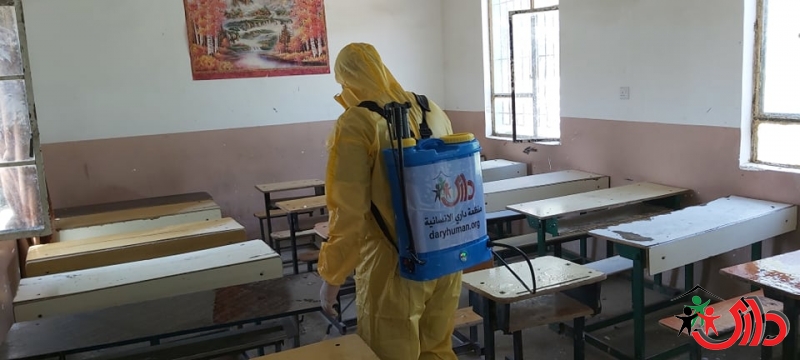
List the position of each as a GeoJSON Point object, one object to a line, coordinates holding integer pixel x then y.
{"type": "Point", "coordinates": [624, 93]}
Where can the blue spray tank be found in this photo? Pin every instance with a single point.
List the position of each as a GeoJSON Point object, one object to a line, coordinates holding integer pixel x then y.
{"type": "Point", "coordinates": [437, 198]}
{"type": "Point", "coordinates": [445, 229]}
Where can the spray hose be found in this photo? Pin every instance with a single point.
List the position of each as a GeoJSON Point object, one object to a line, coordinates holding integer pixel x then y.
{"type": "Point", "coordinates": [531, 289]}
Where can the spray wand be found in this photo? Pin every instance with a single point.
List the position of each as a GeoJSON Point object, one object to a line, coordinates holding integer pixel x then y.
{"type": "Point", "coordinates": [398, 128]}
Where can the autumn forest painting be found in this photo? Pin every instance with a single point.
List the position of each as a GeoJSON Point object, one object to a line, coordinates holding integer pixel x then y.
{"type": "Point", "coordinates": [256, 38]}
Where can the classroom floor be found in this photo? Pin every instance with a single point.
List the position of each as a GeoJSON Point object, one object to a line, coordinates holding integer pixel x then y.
{"type": "Point", "coordinates": [543, 343]}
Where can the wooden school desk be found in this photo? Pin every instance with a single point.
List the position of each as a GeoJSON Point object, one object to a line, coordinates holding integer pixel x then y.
{"type": "Point", "coordinates": [777, 276]}
{"type": "Point", "coordinates": [270, 212]}
{"type": "Point", "coordinates": [135, 215]}
{"type": "Point", "coordinates": [160, 320]}
{"type": "Point", "coordinates": [498, 289]}
{"type": "Point", "coordinates": [621, 203]}
{"type": "Point", "coordinates": [293, 208]}
{"type": "Point", "coordinates": [109, 286]}
{"type": "Point", "coordinates": [684, 237]}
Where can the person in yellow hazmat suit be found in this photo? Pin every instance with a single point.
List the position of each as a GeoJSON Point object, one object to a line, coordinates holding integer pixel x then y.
{"type": "Point", "coordinates": [399, 319]}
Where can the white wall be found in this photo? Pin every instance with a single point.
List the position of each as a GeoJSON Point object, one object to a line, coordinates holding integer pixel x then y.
{"type": "Point", "coordinates": [118, 68]}
{"type": "Point", "coordinates": [682, 59]}
{"type": "Point", "coordinates": [463, 48]}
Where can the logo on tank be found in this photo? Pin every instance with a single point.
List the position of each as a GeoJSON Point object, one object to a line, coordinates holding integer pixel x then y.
{"type": "Point", "coordinates": [450, 193]}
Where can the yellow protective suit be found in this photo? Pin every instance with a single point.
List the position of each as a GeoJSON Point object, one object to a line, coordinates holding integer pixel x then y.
{"type": "Point", "coordinates": [400, 319]}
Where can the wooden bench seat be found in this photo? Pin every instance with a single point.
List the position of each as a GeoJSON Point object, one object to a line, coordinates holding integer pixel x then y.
{"type": "Point", "coordinates": [322, 230]}
{"type": "Point", "coordinates": [108, 286]}
{"type": "Point", "coordinates": [89, 253]}
{"type": "Point", "coordinates": [612, 265]}
{"type": "Point", "coordinates": [304, 205]}
{"type": "Point", "coordinates": [274, 201]}
{"type": "Point", "coordinates": [306, 232]}
{"type": "Point", "coordinates": [466, 317]}
{"type": "Point", "coordinates": [81, 226]}
{"type": "Point", "coordinates": [305, 224]}
{"type": "Point", "coordinates": [725, 323]}
{"type": "Point", "coordinates": [286, 234]}
{"type": "Point", "coordinates": [290, 185]}
{"type": "Point", "coordinates": [274, 213]}
{"type": "Point", "coordinates": [308, 255]}
{"type": "Point", "coordinates": [544, 310]}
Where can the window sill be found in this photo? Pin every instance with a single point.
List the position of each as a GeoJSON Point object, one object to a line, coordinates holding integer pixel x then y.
{"type": "Point", "coordinates": [750, 166]}
{"type": "Point", "coordinates": [546, 143]}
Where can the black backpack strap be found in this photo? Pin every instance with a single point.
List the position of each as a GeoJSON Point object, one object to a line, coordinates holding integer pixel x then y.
{"type": "Point", "coordinates": [373, 106]}
{"type": "Point", "coordinates": [379, 219]}
{"type": "Point", "coordinates": [422, 101]}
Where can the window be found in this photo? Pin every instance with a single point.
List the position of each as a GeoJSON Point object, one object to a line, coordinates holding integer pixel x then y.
{"type": "Point", "coordinates": [23, 197]}
{"type": "Point", "coordinates": [524, 75]}
{"type": "Point", "coordinates": [776, 109]}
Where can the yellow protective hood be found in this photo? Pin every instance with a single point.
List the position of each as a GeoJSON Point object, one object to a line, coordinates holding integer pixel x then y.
{"type": "Point", "coordinates": [363, 76]}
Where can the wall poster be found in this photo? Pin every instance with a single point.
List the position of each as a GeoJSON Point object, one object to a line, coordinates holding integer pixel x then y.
{"type": "Point", "coordinates": [231, 39]}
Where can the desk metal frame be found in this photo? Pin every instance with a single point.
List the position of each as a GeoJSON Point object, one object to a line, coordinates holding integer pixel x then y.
{"type": "Point", "coordinates": [293, 218]}
{"type": "Point", "coordinates": [268, 205]}
{"type": "Point", "coordinates": [639, 257]}
{"type": "Point", "coordinates": [791, 310]}
{"type": "Point", "coordinates": [550, 226]}
{"type": "Point", "coordinates": [496, 317]}
{"type": "Point", "coordinates": [638, 284]}
{"type": "Point", "coordinates": [157, 339]}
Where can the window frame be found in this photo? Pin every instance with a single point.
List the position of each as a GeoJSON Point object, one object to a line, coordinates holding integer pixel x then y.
{"type": "Point", "coordinates": [513, 94]}
{"type": "Point", "coordinates": [35, 147]}
{"type": "Point", "coordinates": [490, 88]}
{"type": "Point", "coordinates": [758, 115]}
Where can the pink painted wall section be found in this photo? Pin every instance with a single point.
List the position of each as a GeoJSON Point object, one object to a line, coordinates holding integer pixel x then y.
{"type": "Point", "coordinates": [704, 159]}
{"type": "Point", "coordinates": [225, 163]}
{"type": "Point", "coordinates": [229, 163]}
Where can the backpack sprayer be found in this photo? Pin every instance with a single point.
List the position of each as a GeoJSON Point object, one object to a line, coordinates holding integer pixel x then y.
{"type": "Point", "coordinates": [437, 197]}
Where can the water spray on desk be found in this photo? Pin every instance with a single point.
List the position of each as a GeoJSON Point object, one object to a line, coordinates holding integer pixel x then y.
{"type": "Point", "coordinates": [437, 198]}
